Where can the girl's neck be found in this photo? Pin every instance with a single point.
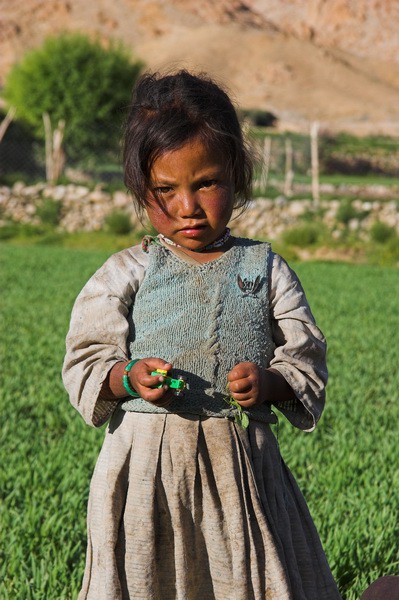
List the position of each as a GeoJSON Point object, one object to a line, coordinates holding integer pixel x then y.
{"type": "Point", "coordinates": [210, 252]}
{"type": "Point", "coordinates": [198, 257]}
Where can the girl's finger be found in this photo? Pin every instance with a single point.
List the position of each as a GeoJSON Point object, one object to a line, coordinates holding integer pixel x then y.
{"type": "Point", "coordinates": [236, 374]}
{"type": "Point", "coordinates": [154, 395]}
{"type": "Point", "coordinates": [152, 364]}
{"type": "Point", "coordinates": [165, 399]}
{"type": "Point", "coordinates": [241, 397]}
{"type": "Point", "coordinates": [247, 403]}
{"type": "Point", "coordinates": [240, 386]}
{"type": "Point", "coordinates": [151, 381]}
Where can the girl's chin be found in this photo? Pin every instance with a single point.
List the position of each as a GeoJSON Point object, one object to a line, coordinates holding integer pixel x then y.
{"type": "Point", "coordinates": [194, 245]}
{"type": "Point", "coordinates": [194, 239]}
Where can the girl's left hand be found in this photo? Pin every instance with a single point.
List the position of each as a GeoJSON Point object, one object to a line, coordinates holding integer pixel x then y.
{"type": "Point", "coordinates": [247, 384]}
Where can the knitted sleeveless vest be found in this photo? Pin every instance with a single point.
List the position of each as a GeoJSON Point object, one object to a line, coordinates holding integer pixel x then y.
{"type": "Point", "coordinates": [204, 319]}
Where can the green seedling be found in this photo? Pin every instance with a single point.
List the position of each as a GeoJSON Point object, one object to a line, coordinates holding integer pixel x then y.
{"type": "Point", "coordinates": [240, 417]}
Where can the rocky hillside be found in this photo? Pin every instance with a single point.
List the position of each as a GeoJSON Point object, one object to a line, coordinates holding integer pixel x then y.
{"type": "Point", "coordinates": [336, 61]}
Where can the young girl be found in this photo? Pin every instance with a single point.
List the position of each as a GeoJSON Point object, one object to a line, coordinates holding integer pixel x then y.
{"type": "Point", "coordinates": [190, 498]}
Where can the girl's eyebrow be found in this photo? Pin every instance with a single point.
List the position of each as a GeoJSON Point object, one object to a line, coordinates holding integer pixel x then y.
{"type": "Point", "coordinates": [207, 173]}
{"type": "Point", "coordinates": [162, 181]}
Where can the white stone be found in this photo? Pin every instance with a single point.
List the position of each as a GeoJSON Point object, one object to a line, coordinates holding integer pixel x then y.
{"type": "Point", "coordinates": [18, 187]}
{"type": "Point", "coordinates": [121, 199]}
{"type": "Point", "coordinates": [99, 196]}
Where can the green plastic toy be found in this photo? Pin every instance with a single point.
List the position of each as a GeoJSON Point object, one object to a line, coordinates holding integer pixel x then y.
{"type": "Point", "coordinates": [178, 385]}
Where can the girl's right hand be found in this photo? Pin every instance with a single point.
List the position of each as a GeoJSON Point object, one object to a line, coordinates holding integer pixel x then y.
{"type": "Point", "coordinates": [142, 381]}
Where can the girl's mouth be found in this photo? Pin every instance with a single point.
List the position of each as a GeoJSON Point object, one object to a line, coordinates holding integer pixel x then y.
{"type": "Point", "coordinates": [192, 230]}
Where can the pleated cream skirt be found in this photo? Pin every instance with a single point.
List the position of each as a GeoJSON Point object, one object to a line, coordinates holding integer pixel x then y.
{"type": "Point", "coordinates": [183, 507]}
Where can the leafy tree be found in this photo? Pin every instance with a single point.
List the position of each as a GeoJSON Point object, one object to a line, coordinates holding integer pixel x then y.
{"type": "Point", "coordinates": [78, 80]}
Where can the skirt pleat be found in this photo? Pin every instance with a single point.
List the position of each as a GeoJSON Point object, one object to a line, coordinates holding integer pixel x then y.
{"type": "Point", "coordinates": [184, 507]}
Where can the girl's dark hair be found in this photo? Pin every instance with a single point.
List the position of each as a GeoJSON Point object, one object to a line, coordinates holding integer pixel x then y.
{"type": "Point", "coordinates": [169, 110]}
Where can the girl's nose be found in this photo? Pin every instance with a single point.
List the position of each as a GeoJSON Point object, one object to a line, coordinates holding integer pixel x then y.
{"type": "Point", "coordinates": [188, 204]}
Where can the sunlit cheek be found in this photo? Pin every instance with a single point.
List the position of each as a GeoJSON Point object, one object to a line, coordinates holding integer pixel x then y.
{"type": "Point", "coordinates": [222, 204]}
{"type": "Point", "coordinates": [158, 215]}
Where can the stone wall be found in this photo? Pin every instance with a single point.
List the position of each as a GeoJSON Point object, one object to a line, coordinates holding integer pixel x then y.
{"type": "Point", "coordinates": [82, 209]}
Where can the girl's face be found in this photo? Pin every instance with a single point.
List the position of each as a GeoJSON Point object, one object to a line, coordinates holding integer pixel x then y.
{"type": "Point", "coordinates": [191, 197]}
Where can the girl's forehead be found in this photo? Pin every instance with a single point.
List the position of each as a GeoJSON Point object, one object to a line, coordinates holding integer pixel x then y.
{"type": "Point", "coordinates": [192, 155]}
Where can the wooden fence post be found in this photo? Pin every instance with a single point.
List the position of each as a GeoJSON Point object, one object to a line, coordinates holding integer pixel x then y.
{"type": "Point", "coordinates": [55, 158]}
{"type": "Point", "coordinates": [314, 153]}
{"type": "Point", "coordinates": [289, 173]}
{"type": "Point", "coordinates": [6, 121]}
{"type": "Point", "coordinates": [267, 152]}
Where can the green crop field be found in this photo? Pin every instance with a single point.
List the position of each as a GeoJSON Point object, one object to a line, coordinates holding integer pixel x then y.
{"type": "Point", "coordinates": [348, 468]}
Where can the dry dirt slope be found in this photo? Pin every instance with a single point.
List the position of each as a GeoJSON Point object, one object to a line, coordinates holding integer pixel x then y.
{"type": "Point", "coordinates": [330, 60]}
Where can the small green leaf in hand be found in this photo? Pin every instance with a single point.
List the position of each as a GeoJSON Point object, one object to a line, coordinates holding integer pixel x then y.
{"type": "Point", "coordinates": [240, 417]}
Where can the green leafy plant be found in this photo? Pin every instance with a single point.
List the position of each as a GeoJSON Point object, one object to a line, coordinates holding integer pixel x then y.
{"type": "Point", "coordinates": [8, 231]}
{"type": "Point", "coordinates": [381, 232]}
{"type": "Point", "coordinates": [346, 212]}
{"type": "Point", "coordinates": [240, 417]}
{"type": "Point", "coordinates": [118, 222]}
{"type": "Point", "coordinates": [76, 80]}
{"type": "Point", "coordinates": [49, 211]}
{"type": "Point", "coordinates": [304, 235]}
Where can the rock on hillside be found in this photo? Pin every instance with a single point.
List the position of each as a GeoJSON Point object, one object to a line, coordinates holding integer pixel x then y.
{"type": "Point", "coordinates": [332, 60]}
{"type": "Point", "coordinates": [366, 29]}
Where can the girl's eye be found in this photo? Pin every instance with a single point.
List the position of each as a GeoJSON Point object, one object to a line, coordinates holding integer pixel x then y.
{"type": "Point", "coordinates": [208, 183]}
{"type": "Point", "coordinates": [162, 190]}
